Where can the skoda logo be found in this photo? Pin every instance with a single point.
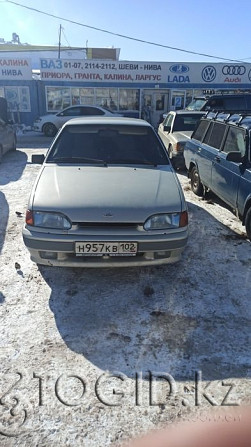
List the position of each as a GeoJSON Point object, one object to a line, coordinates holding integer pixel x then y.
{"type": "Point", "coordinates": [208, 73]}
{"type": "Point", "coordinates": [233, 70]}
{"type": "Point", "coordinates": [179, 68]}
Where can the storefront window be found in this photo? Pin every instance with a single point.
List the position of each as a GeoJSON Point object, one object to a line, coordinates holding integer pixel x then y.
{"type": "Point", "coordinates": [18, 99]}
{"type": "Point", "coordinates": [87, 96]}
{"type": "Point", "coordinates": [128, 99]}
{"type": "Point", "coordinates": [107, 97]}
{"type": "Point", "coordinates": [57, 98]}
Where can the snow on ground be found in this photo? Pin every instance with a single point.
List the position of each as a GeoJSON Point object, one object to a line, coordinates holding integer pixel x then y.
{"type": "Point", "coordinates": [63, 329]}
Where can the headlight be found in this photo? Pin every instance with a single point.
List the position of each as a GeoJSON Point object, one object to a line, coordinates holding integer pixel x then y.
{"type": "Point", "coordinates": [47, 220]}
{"type": "Point", "coordinates": [166, 221]}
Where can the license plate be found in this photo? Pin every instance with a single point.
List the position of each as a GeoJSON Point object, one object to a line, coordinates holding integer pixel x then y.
{"type": "Point", "coordinates": [105, 248]}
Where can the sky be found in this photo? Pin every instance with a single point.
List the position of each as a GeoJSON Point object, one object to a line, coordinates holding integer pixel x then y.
{"type": "Point", "coordinates": [218, 28]}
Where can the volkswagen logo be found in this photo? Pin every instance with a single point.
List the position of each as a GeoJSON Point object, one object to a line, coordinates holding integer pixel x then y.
{"type": "Point", "coordinates": [208, 73]}
{"type": "Point", "coordinates": [179, 68]}
{"type": "Point", "coordinates": [234, 70]}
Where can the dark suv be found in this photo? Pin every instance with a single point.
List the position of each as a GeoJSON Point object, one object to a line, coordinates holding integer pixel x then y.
{"type": "Point", "coordinates": [218, 158]}
{"type": "Point", "coordinates": [224, 102]}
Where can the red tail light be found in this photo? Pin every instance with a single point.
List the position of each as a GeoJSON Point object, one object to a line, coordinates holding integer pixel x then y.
{"type": "Point", "coordinates": [183, 219]}
{"type": "Point", "coordinates": [29, 218]}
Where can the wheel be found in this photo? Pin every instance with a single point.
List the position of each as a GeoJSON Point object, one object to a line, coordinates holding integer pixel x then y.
{"type": "Point", "coordinates": [248, 223]}
{"type": "Point", "coordinates": [196, 185]}
{"type": "Point", "coordinates": [49, 130]}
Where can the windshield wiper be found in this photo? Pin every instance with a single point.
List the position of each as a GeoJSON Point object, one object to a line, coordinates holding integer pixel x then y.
{"type": "Point", "coordinates": [133, 161]}
{"type": "Point", "coordinates": [78, 159]}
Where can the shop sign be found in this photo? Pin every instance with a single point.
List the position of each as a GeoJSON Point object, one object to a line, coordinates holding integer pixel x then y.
{"type": "Point", "coordinates": [164, 74]}
{"type": "Point", "coordinates": [15, 69]}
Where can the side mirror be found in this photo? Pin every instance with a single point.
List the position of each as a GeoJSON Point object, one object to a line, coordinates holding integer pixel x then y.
{"type": "Point", "coordinates": [234, 156]}
{"type": "Point", "coordinates": [167, 128]}
{"type": "Point", "coordinates": [38, 159]}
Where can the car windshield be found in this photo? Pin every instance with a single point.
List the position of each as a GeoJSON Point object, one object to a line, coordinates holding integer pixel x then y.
{"type": "Point", "coordinates": [113, 144]}
{"type": "Point", "coordinates": [186, 122]}
{"type": "Point", "coordinates": [196, 104]}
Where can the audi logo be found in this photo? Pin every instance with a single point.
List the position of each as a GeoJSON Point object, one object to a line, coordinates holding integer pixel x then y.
{"type": "Point", "coordinates": [234, 70]}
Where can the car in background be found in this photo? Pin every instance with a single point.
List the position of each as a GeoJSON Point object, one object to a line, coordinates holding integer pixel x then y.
{"type": "Point", "coordinates": [239, 102]}
{"type": "Point", "coordinates": [106, 196]}
{"type": "Point", "coordinates": [51, 123]}
{"type": "Point", "coordinates": [218, 158]}
{"type": "Point", "coordinates": [8, 140]}
{"type": "Point", "coordinates": [176, 128]}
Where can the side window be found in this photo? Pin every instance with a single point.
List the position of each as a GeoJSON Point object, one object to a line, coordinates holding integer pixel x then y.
{"type": "Point", "coordinates": [235, 141]}
{"type": "Point", "coordinates": [216, 135]}
{"type": "Point", "coordinates": [75, 111]}
{"type": "Point", "coordinates": [237, 103]}
{"type": "Point", "coordinates": [215, 104]}
{"type": "Point", "coordinates": [168, 120]}
{"type": "Point", "coordinates": [208, 134]}
{"type": "Point", "coordinates": [91, 111]}
{"type": "Point", "coordinates": [201, 130]}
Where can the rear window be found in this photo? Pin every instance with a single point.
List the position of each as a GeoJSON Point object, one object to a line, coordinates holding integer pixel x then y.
{"type": "Point", "coordinates": [109, 144]}
{"type": "Point", "coordinates": [201, 130]}
{"type": "Point", "coordinates": [185, 122]}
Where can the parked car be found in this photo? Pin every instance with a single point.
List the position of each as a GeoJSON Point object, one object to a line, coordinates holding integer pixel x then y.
{"type": "Point", "coordinates": [8, 141]}
{"type": "Point", "coordinates": [222, 102]}
{"type": "Point", "coordinates": [106, 195]}
{"type": "Point", "coordinates": [51, 123]}
{"type": "Point", "coordinates": [218, 158]}
{"type": "Point", "coordinates": [176, 128]}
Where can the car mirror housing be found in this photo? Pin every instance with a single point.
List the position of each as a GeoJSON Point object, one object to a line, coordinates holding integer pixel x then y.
{"type": "Point", "coordinates": [38, 159]}
{"type": "Point", "coordinates": [234, 156]}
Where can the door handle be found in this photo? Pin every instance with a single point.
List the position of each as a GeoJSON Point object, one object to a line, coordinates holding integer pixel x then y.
{"type": "Point", "coordinates": [217, 158]}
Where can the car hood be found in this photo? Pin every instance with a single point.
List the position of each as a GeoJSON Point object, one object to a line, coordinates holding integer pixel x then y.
{"type": "Point", "coordinates": [113, 193]}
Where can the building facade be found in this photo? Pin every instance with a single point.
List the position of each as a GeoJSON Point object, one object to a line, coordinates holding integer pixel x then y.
{"type": "Point", "coordinates": [132, 88]}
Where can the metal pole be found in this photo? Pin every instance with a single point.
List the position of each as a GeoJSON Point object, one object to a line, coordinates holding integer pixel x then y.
{"type": "Point", "coordinates": [59, 43]}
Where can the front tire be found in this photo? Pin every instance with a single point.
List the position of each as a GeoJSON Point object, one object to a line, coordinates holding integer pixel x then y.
{"type": "Point", "coordinates": [49, 130]}
{"type": "Point", "coordinates": [248, 223]}
{"type": "Point", "coordinates": [196, 185]}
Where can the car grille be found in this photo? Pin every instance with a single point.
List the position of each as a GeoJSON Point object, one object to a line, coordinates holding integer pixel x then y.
{"type": "Point", "coordinates": [106, 225]}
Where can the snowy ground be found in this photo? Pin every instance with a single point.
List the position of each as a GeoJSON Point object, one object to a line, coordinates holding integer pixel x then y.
{"type": "Point", "coordinates": [63, 329]}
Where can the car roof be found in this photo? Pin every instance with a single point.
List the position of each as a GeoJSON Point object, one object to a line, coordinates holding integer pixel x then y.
{"type": "Point", "coordinates": [238, 119]}
{"type": "Point", "coordinates": [187, 112]}
{"type": "Point", "coordinates": [107, 120]}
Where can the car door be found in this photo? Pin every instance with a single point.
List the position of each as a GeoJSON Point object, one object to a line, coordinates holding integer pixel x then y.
{"type": "Point", "coordinates": [208, 150]}
{"type": "Point", "coordinates": [165, 134]}
{"type": "Point", "coordinates": [226, 174]}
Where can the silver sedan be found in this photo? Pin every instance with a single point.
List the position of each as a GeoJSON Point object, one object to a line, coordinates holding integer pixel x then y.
{"type": "Point", "coordinates": [106, 196]}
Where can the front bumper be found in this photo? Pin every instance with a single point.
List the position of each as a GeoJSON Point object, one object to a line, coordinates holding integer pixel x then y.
{"type": "Point", "coordinates": [37, 127]}
{"type": "Point", "coordinates": [59, 249]}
